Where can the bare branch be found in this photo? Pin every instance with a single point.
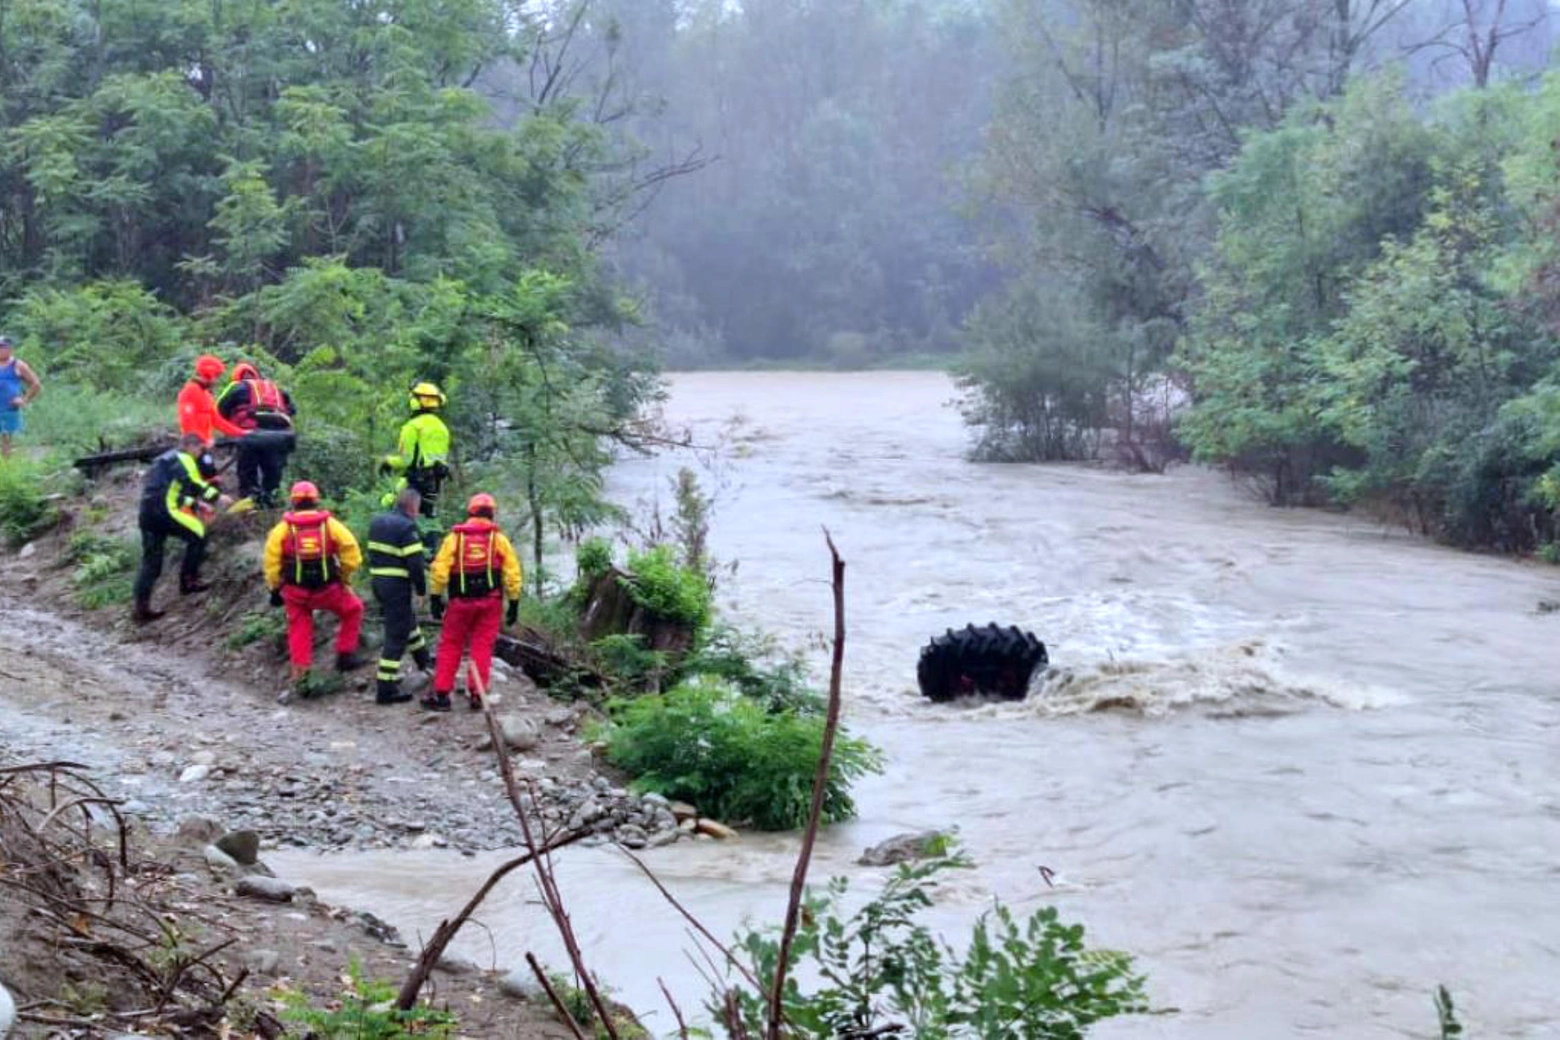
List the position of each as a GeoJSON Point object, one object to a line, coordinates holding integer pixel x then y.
{"type": "Point", "coordinates": [820, 784]}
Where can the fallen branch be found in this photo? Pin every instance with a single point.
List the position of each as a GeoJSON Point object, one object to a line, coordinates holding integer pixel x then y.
{"type": "Point", "coordinates": [682, 1023]}
{"type": "Point", "coordinates": [447, 930]}
{"type": "Point", "coordinates": [820, 783]}
{"type": "Point", "coordinates": [541, 862]}
{"type": "Point", "coordinates": [552, 995]}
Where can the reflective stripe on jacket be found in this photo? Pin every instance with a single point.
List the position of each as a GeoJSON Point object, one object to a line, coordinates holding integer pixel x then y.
{"type": "Point", "coordinates": [445, 564]}
{"type": "Point", "coordinates": [395, 549]}
{"type": "Point", "coordinates": [348, 556]}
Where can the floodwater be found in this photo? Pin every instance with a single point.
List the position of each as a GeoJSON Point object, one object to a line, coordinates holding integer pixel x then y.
{"type": "Point", "coordinates": [1304, 767]}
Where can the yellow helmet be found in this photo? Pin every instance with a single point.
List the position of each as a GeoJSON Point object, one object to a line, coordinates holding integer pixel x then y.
{"type": "Point", "coordinates": [426, 397]}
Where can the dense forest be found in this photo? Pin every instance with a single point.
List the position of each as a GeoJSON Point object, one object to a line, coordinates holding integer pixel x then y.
{"type": "Point", "coordinates": [333, 189]}
{"type": "Point", "coordinates": [1308, 239]}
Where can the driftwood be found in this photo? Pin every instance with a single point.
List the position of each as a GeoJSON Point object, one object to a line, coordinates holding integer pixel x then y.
{"type": "Point", "coordinates": [149, 450]}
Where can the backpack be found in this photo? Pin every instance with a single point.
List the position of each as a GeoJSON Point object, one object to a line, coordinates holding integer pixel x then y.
{"type": "Point", "coordinates": [308, 555]}
{"type": "Point", "coordinates": [477, 561]}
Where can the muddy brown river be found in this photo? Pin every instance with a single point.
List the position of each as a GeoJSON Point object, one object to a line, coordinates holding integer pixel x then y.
{"type": "Point", "coordinates": [1303, 766]}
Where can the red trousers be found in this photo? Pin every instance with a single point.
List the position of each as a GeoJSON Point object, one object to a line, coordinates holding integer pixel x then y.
{"type": "Point", "coordinates": [474, 621]}
{"type": "Point", "coordinates": [301, 605]}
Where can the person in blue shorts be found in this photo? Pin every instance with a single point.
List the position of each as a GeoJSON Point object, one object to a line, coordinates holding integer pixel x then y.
{"type": "Point", "coordinates": [18, 386]}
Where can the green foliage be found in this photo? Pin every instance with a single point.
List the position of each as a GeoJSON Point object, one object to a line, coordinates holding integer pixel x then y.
{"type": "Point", "coordinates": [667, 589]}
{"type": "Point", "coordinates": [576, 1001]}
{"type": "Point", "coordinates": [25, 511]}
{"type": "Point", "coordinates": [103, 566]}
{"type": "Point", "coordinates": [1038, 380]}
{"type": "Point", "coordinates": [366, 1011]}
{"type": "Point", "coordinates": [879, 967]}
{"type": "Point", "coordinates": [593, 558]}
{"type": "Point", "coordinates": [704, 743]}
{"type": "Point", "coordinates": [256, 626]}
{"type": "Point", "coordinates": [103, 335]}
{"type": "Point", "coordinates": [77, 420]}
{"type": "Point", "coordinates": [753, 663]}
{"type": "Point", "coordinates": [627, 660]}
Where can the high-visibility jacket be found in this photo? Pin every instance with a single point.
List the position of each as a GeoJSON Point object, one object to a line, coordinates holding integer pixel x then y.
{"type": "Point", "coordinates": [423, 444]}
{"type": "Point", "coordinates": [283, 559]}
{"type": "Point", "coordinates": [395, 549]}
{"type": "Point", "coordinates": [198, 414]}
{"type": "Point", "coordinates": [473, 560]}
{"type": "Point", "coordinates": [178, 484]}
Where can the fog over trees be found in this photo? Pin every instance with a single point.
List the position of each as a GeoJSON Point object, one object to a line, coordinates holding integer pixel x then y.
{"type": "Point", "coordinates": [1311, 240]}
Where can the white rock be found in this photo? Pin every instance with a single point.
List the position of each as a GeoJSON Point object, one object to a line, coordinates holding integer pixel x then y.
{"type": "Point", "coordinates": [194, 773]}
{"type": "Point", "coordinates": [273, 889]}
{"type": "Point", "coordinates": [204, 758]}
{"type": "Point", "coordinates": [27, 550]}
{"type": "Point", "coordinates": [7, 1009]}
{"type": "Point", "coordinates": [429, 841]}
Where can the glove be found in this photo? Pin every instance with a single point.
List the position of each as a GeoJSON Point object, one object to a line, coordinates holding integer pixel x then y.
{"type": "Point", "coordinates": [436, 607]}
{"type": "Point", "coordinates": [513, 613]}
{"type": "Point", "coordinates": [276, 597]}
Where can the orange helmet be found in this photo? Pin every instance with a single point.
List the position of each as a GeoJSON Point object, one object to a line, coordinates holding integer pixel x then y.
{"type": "Point", "coordinates": [209, 368]}
{"type": "Point", "coordinates": [482, 504]}
{"type": "Point", "coordinates": [304, 491]}
{"type": "Point", "coordinates": [244, 370]}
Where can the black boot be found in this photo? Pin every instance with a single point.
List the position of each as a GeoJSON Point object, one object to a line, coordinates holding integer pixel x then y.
{"type": "Point", "coordinates": [193, 586]}
{"type": "Point", "coordinates": [423, 659]}
{"type": "Point", "coordinates": [437, 702]}
{"type": "Point", "coordinates": [350, 661]}
{"type": "Point", "coordinates": [142, 612]}
{"type": "Point", "coordinates": [390, 692]}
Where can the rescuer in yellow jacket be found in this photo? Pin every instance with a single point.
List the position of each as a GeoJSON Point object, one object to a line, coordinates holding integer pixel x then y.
{"type": "Point", "coordinates": [309, 560]}
{"type": "Point", "coordinates": [422, 453]}
{"type": "Point", "coordinates": [478, 567]}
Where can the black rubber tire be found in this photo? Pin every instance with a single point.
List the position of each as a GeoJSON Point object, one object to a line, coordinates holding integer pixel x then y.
{"type": "Point", "coordinates": [994, 660]}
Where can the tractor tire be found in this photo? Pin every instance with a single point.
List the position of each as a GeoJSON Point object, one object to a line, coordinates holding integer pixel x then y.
{"type": "Point", "coordinates": [993, 660]}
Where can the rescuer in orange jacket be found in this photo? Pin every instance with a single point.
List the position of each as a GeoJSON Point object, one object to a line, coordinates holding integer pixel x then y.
{"type": "Point", "coordinates": [478, 568]}
{"type": "Point", "coordinates": [198, 409]}
{"type": "Point", "coordinates": [309, 560]}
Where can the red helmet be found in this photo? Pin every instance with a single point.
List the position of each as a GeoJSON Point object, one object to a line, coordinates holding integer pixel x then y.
{"type": "Point", "coordinates": [304, 491]}
{"type": "Point", "coordinates": [244, 370]}
{"type": "Point", "coordinates": [482, 504]}
{"type": "Point", "coordinates": [209, 368]}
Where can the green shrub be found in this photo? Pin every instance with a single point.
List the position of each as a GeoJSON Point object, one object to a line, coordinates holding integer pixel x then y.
{"type": "Point", "coordinates": [878, 968]}
{"type": "Point", "coordinates": [625, 659]}
{"type": "Point", "coordinates": [592, 558]}
{"type": "Point", "coordinates": [755, 665]}
{"type": "Point", "coordinates": [669, 590]}
{"type": "Point", "coordinates": [102, 574]}
{"type": "Point", "coordinates": [703, 742]}
{"type": "Point", "coordinates": [367, 1011]}
{"type": "Point", "coordinates": [25, 511]}
{"type": "Point", "coordinates": [256, 626]}
{"type": "Point", "coordinates": [578, 1004]}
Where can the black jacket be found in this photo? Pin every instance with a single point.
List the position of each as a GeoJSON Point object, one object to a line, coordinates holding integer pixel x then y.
{"type": "Point", "coordinates": [395, 549]}
{"type": "Point", "coordinates": [176, 481]}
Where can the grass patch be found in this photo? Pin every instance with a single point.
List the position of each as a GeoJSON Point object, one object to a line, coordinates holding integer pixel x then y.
{"type": "Point", "coordinates": [257, 626]}
{"type": "Point", "coordinates": [25, 511]}
{"type": "Point", "coordinates": [103, 568]}
{"type": "Point", "coordinates": [366, 1011]}
{"type": "Point", "coordinates": [703, 742]}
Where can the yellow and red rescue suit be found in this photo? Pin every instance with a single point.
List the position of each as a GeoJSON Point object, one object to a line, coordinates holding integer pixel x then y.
{"type": "Point", "coordinates": [310, 557]}
{"type": "Point", "coordinates": [478, 569]}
